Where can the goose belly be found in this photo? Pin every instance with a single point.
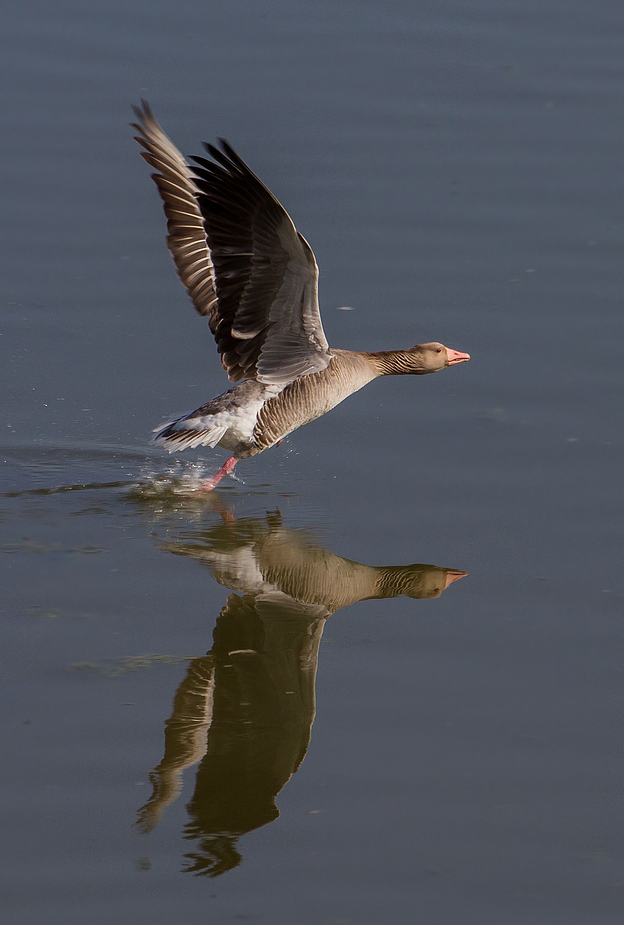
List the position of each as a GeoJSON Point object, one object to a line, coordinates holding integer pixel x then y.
{"type": "Point", "coordinates": [238, 425]}
{"type": "Point", "coordinates": [227, 421]}
{"type": "Point", "coordinates": [239, 419]}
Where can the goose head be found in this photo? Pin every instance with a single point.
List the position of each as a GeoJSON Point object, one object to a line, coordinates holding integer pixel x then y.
{"type": "Point", "coordinates": [429, 358]}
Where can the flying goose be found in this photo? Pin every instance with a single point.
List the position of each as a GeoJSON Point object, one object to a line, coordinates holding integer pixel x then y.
{"type": "Point", "coordinates": [247, 268]}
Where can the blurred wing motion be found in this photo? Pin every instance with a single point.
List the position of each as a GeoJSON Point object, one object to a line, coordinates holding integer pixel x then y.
{"type": "Point", "coordinates": [241, 259]}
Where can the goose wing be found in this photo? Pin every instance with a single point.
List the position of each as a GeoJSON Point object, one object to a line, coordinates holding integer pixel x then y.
{"type": "Point", "coordinates": [241, 259]}
{"type": "Point", "coordinates": [187, 237]}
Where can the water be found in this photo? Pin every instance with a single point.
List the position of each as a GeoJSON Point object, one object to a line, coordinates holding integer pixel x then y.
{"type": "Point", "coordinates": [450, 755]}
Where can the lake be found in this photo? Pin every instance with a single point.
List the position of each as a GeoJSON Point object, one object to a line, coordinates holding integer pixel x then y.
{"type": "Point", "coordinates": [376, 676]}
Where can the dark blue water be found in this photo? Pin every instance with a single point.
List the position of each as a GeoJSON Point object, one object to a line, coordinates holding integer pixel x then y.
{"type": "Point", "coordinates": [266, 704]}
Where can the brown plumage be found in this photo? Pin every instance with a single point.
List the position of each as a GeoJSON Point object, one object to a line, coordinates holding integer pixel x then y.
{"type": "Point", "coordinates": [248, 270]}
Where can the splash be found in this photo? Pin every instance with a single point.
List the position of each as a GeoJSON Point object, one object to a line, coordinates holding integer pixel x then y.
{"type": "Point", "coordinates": [183, 478]}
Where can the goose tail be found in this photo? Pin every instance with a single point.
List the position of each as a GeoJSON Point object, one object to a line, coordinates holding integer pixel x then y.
{"type": "Point", "coordinates": [188, 432]}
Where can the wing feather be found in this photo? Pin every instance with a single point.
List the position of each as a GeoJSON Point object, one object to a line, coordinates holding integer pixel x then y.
{"type": "Point", "coordinates": [241, 259]}
{"type": "Point", "coordinates": [187, 236]}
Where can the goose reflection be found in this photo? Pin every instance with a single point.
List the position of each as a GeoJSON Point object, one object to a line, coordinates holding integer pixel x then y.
{"type": "Point", "coordinates": [244, 711]}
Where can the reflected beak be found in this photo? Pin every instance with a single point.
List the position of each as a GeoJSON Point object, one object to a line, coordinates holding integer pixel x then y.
{"type": "Point", "coordinates": [453, 575]}
{"type": "Point", "coordinates": [454, 356]}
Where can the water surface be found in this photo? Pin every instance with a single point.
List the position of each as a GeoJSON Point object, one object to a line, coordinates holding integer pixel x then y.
{"type": "Point", "coordinates": [451, 751]}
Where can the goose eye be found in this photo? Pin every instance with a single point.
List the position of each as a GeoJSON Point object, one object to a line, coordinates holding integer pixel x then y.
{"type": "Point", "coordinates": [438, 349]}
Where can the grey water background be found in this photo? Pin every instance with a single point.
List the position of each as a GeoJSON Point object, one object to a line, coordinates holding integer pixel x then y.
{"type": "Point", "coordinates": [457, 170]}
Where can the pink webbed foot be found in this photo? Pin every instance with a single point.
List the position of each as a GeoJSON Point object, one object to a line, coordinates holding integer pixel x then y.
{"type": "Point", "coordinates": [211, 483]}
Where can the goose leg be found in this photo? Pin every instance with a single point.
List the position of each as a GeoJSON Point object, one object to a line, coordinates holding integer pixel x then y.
{"type": "Point", "coordinates": [225, 469]}
{"type": "Point", "coordinates": [227, 514]}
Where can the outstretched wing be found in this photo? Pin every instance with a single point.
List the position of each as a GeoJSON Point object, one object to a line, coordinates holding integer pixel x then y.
{"type": "Point", "coordinates": [187, 236]}
{"type": "Point", "coordinates": [241, 260]}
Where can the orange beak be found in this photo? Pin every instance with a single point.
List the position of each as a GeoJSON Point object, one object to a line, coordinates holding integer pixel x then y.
{"type": "Point", "coordinates": [454, 356]}
{"type": "Point", "coordinates": [453, 575]}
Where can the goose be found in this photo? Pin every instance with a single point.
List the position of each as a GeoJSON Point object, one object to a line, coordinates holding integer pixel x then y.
{"type": "Point", "coordinates": [249, 271]}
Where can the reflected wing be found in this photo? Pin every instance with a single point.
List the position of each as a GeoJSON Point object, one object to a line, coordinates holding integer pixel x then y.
{"type": "Point", "coordinates": [187, 235]}
{"type": "Point", "coordinates": [242, 261]}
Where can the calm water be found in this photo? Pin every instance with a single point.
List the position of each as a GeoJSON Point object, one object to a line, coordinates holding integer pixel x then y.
{"type": "Point", "coordinates": [287, 702]}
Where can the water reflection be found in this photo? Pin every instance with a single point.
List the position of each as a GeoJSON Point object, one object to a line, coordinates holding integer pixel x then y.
{"type": "Point", "coordinates": [244, 711]}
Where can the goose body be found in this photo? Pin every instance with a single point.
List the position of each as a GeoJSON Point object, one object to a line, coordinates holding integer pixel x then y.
{"type": "Point", "coordinates": [248, 270]}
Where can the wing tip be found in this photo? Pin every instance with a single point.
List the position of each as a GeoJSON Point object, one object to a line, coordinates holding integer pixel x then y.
{"type": "Point", "coordinates": [144, 110]}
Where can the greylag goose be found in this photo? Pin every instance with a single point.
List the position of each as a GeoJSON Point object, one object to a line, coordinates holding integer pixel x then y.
{"type": "Point", "coordinates": [246, 268]}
